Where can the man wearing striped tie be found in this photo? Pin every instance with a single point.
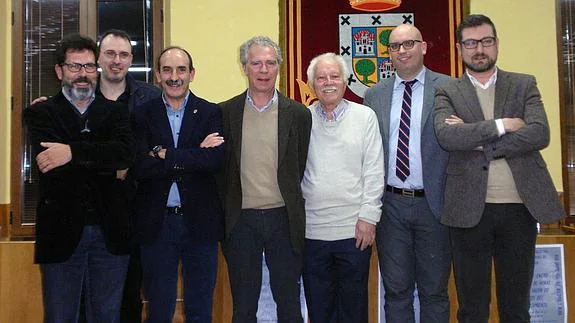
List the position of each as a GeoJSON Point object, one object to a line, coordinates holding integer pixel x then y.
{"type": "Point", "coordinates": [413, 247]}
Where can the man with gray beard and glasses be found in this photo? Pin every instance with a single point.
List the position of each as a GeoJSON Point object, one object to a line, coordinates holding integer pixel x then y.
{"type": "Point", "coordinates": [80, 141]}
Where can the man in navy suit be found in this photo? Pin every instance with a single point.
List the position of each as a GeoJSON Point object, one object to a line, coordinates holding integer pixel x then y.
{"type": "Point", "coordinates": [413, 247]}
{"type": "Point", "coordinates": [178, 215]}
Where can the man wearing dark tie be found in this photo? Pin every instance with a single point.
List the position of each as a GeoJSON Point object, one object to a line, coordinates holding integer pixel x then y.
{"type": "Point", "coordinates": [413, 247]}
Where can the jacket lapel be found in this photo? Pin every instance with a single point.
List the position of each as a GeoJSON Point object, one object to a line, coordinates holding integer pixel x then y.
{"type": "Point", "coordinates": [501, 90]}
{"type": "Point", "coordinates": [386, 107]}
{"type": "Point", "coordinates": [159, 116]}
{"type": "Point", "coordinates": [467, 91]}
{"type": "Point", "coordinates": [236, 114]}
{"type": "Point", "coordinates": [284, 123]}
{"type": "Point", "coordinates": [190, 118]}
{"type": "Point", "coordinates": [428, 97]}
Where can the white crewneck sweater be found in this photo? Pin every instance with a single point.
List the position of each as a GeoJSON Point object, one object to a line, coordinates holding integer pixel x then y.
{"type": "Point", "coordinates": [344, 175]}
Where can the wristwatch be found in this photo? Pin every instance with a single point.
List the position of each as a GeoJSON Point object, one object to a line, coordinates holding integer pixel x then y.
{"type": "Point", "coordinates": [156, 150]}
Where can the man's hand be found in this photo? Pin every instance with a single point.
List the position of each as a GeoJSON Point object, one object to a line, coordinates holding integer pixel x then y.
{"type": "Point", "coordinates": [121, 174]}
{"type": "Point", "coordinates": [212, 140]}
{"type": "Point", "coordinates": [54, 156]}
{"type": "Point", "coordinates": [364, 234]}
{"type": "Point", "coordinates": [38, 100]}
{"type": "Point", "coordinates": [512, 124]}
{"type": "Point", "coordinates": [453, 119]}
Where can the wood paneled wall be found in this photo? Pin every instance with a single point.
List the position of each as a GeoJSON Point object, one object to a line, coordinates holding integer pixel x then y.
{"type": "Point", "coordinates": [21, 297]}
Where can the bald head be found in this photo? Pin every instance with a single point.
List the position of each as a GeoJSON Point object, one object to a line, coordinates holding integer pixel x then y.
{"type": "Point", "coordinates": [408, 58]}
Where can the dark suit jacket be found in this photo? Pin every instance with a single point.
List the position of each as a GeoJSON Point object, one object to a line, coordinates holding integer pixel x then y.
{"type": "Point", "coordinates": [192, 168]}
{"type": "Point", "coordinates": [434, 158]}
{"type": "Point", "coordinates": [87, 181]}
{"type": "Point", "coordinates": [516, 96]}
{"type": "Point", "coordinates": [294, 127]}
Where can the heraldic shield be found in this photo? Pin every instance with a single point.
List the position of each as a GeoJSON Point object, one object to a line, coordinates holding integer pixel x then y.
{"type": "Point", "coordinates": [364, 40]}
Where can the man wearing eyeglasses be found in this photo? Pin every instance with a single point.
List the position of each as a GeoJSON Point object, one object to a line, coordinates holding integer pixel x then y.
{"type": "Point", "coordinates": [80, 140]}
{"type": "Point", "coordinates": [413, 247]}
{"type": "Point", "coordinates": [493, 123]}
{"type": "Point", "coordinates": [116, 84]}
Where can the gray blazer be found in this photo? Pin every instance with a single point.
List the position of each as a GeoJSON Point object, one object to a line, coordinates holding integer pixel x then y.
{"type": "Point", "coordinates": [434, 158]}
{"type": "Point", "coordinates": [516, 96]}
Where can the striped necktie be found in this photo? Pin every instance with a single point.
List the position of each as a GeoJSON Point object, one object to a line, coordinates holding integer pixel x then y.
{"type": "Point", "coordinates": [402, 159]}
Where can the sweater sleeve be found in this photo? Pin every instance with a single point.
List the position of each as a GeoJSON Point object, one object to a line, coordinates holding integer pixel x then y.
{"type": "Point", "coordinates": [373, 172]}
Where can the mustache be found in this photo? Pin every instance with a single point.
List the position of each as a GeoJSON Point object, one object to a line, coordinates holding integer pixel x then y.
{"type": "Point", "coordinates": [477, 56]}
{"type": "Point", "coordinates": [174, 82]}
{"type": "Point", "coordinates": [82, 79]}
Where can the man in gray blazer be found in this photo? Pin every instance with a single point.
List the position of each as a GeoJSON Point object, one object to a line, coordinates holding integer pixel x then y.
{"type": "Point", "coordinates": [497, 188]}
{"type": "Point", "coordinates": [413, 247]}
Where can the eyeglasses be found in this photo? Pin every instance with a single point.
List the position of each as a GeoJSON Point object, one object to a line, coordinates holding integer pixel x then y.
{"type": "Point", "coordinates": [407, 44]}
{"type": "Point", "coordinates": [112, 54]}
{"type": "Point", "coordinates": [473, 43]}
{"type": "Point", "coordinates": [76, 67]}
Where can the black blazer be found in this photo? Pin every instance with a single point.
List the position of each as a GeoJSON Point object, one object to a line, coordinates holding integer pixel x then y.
{"type": "Point", "coordinates": [191, 167]}
{"type": "Point", "coordinates": [89, 178]}
{"type": "Point", "coordinates": [294, 127]}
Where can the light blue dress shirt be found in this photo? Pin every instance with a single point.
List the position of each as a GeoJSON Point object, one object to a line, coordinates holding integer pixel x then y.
{"type": "Point", "coordinates": [175, 118]}
{"type": "Point", "coordinates": [415, 178]}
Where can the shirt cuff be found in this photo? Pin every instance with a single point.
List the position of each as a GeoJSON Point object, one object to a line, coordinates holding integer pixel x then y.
{"type": "Point", "coordinates": [500, 127]}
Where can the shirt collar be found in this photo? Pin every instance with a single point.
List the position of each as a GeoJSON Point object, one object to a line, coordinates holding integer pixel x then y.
{"type": "Point", "coordinates": [250, 101]}
{"type": "Point", "coordinates": [489, 83]}
{"type": "Point", "coordinates": [182, 107]}
{"type": "Point", "coordinates": [337, 112]}
{"type": "Point", "coordinates": [420, 77]}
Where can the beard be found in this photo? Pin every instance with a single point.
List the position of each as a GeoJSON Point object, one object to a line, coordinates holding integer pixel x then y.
{"type": "Point", "coordinates": [479, 68]}
{"type": "Point", "coordinates": [79, 94]}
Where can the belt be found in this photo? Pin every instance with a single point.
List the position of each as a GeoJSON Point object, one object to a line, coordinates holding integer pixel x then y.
{"type": "Point", "coordinates": [174, 210]}
{"type": "Point", "coordinates": [405, 191]}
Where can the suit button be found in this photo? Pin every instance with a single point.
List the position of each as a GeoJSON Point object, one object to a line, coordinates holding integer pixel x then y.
{"type": "Point", "coordinates": [485, 168]}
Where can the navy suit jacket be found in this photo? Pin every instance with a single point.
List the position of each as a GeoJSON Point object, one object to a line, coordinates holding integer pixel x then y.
{"type": "Point", "coordinates": [192, 168]}
{"type": "Point", "coordinates": [434, 158]}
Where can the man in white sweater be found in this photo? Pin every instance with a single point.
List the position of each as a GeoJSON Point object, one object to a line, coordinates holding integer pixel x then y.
{"type": "Point", "coordinates": [342, 185]}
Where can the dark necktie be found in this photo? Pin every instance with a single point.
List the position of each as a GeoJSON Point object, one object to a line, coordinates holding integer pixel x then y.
{"type": "Point", "coordinates": [402, 160]}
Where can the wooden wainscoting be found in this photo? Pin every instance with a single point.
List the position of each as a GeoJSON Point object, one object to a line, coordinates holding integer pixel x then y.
{"type": "Point", "coordinates": [4, 219]}
{"type": "Point", "coordinates": [21, 297]}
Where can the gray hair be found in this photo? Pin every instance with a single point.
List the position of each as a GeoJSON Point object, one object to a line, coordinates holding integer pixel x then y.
{"type": "Point", "coordinates": [260, 41]}
{"type": "Point", "coordinates": [330, 57]}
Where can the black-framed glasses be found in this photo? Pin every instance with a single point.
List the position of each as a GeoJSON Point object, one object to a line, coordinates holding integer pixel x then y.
{"type": "Point", "coordinates": [473, 43]}
{"type": "Point", "coordinates": [122, 55]}
{"type": "Point", "coordinates": [76, 67]}
{"type": "Point", "coordinates": [407, 44]}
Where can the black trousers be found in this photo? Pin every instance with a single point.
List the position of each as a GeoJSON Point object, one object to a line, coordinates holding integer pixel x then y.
{"type": "Point", "coordinates": [506, 235]}
{"type": "Point", "coordinates": [257, 232]}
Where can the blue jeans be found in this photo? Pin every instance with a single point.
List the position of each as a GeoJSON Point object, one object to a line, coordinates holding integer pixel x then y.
{"type": "Point", "coordinates": [160, 261]}
{"type": "Point", "coordinates": [91, 266]}
{"type": "Point", "coordinates": [335, 278]}
{"type": "Point", "coordinates": [413, 249]}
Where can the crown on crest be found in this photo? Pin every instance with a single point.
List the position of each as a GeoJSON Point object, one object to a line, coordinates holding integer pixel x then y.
{"type": "Point", "coordinates": [374, 5]}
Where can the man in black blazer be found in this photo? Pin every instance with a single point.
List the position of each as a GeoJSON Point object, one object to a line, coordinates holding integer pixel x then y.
{"type": "Point", "coordinates": [497, 188]}
{"type": "Point", "coordinates": [81, 140]}
{"type": "Point", "coordinates": [267, 137]}
{"type": "Point", "coordinates": [178, 212]}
